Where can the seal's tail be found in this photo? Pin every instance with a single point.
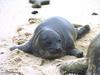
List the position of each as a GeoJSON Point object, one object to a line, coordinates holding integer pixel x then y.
{"type": "Point", "coordinates": [82, 31]}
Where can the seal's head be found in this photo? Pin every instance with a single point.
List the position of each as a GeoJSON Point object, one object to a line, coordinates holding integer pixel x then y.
{"type": "Point", "coordinates": [50, 42]}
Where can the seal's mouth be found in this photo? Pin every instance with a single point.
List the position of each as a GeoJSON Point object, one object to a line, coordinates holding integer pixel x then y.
{"type": "Point", "coordinates": [55, 54]}
{"type": "Point", "coordinates": [56, 51]}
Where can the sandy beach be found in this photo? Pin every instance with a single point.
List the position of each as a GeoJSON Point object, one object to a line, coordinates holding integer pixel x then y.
{"type": "Point", "coordinates": [16, 13]}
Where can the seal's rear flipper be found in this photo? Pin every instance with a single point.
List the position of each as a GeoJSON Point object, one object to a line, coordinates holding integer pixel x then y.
{"type": "Point", "coordinates": [82, 31]}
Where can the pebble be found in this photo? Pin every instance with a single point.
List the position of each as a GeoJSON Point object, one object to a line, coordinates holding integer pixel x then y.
{"type": "Point", "coordinates": [1, 52]}
{"type": "Point", "coordinates": [94, 13]}
{"type": "Point", "coordinates": [34, 12]}
{"type": "Point", "coordinates": [36, 6]}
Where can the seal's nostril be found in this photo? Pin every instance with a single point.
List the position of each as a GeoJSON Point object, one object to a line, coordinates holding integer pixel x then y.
{"type": "Point", "coordinates": [58, 48]}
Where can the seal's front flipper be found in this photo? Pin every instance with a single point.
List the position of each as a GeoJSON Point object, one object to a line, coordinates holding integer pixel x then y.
{"type": "Point", "coordinates": [26, 48]}
{"type": "Point", "coordinates": [76, 52]}
{"type": "Point", "coordinates": [82, 31]}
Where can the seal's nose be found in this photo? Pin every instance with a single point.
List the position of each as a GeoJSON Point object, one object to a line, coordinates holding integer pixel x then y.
{"type": "Point", "coordinates": [58, 49]}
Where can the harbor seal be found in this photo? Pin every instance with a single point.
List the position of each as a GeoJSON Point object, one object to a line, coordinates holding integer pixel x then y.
{"type": "Point", "coordinates": [54, 38]}
{"type": "Point", "coordinates": [93, 57]}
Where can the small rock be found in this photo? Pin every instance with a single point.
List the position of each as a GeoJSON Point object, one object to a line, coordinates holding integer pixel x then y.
{"type": "Point", "coordinates": [32, 1]}
{"type": "Point", "coordinates": [1, 52]}
{"type": "Point", "coordinates": [45, 2]}
{"type": "Point", "coordinates": [27, 34]}
{"type": "Point", "coordinates": [34, 12]}
{"type": "Point", "coordinates": [19, 42]}
{"type": "Point", "coordinates": [94, 13]}
{"type": "Point", "coordinates": [42, 2]}
{"type": "Point", "coordinates": [17, 59]}
{"type": "Point", "coordinates": [19, 29]}
{"type": "Point", "coordinates": [18, 52]}
{"type": "Point", "coordinates": [32, 20]}
{"type": "Point", "coordinates": [36, 5]}
{"type": "Point", "coordinates": [19, 39]}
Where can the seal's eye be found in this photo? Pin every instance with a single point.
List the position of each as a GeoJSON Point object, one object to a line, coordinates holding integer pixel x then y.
{"type": "Point", "coordinates": [49, 42]}
{"type": "Point", "coordinates": [59, 40]}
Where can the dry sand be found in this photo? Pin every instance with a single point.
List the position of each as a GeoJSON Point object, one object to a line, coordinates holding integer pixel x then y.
{"type": "Point", "coordinates": [19, 63]}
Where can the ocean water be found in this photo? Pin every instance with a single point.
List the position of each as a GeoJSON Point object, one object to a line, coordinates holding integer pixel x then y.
{"type": "Point", "coordinates": [17, 12]}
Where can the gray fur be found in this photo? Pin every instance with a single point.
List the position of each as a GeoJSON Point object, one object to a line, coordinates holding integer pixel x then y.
{"type": "Point", "coordinates": [93, 56]}
{"type": "Point", "coordinates": [53, 38]}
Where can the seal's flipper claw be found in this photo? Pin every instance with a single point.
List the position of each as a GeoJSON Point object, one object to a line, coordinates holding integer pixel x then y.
{"type": "Point", "coordinates": [12, 48]}
{"type": "Point", "coordinates": [75, 52]}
